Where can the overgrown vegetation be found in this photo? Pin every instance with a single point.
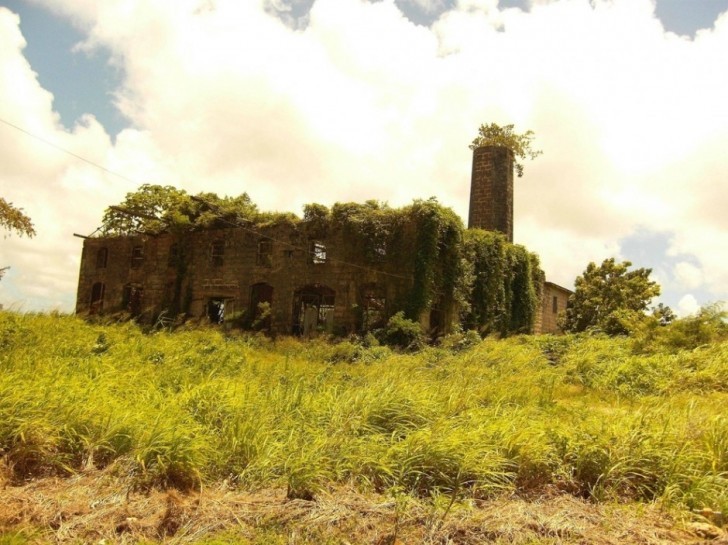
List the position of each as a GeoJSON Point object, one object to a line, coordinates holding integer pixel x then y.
{"type": "Point", "coordinates": [505, 137]}
{"type": "Point", "coordinates": [636, 419]}
{"type": "Point", "coordinates": [612, 299]}
{"type": "Point", "coordinates": [470, 277]}
{"type": "Point", "coordinates": [14, 220]}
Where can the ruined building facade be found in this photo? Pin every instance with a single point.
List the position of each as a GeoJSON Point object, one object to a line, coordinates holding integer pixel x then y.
{"type": "Point", "coordinates": [284, 277]}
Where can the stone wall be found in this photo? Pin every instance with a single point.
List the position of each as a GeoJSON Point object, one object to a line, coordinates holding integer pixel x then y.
{"type": "Point", "coordinates": [554, 301]}
{"type": "Point", "coordinates": [282, 265]}
{"type": "Point", "coordinates": [491, 190]}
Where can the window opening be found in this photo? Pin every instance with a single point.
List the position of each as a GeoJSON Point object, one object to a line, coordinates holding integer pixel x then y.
{"type": "Point", "coordinates": [313, 309]}
{"type": "Point", "coordinates": [265, 253]}
{"type": "Point", "coordinates": [373, 304]}
{"type": "Point", "coordinates": [216, 310]}
{"type": "Point", "coordinates": [318, 252]}
{"type": "Point", "coordinates": [218, 253]}
{"type": "Point", "coordinates": [555, 304]}
{"type": "Point", "coordinates": [132, 298]}
{"type": "Point", "coordinates": [137, 257]}
{"type": "Point", "coordinates": [97, 298]}
{"type": "Point", "coordinates": [102, 257]}
{"type": "Point", "coordinates": [174, 255]}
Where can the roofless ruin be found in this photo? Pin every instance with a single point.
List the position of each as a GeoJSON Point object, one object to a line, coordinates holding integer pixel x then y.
{"type": "Point", "coordinates": [342, 270]}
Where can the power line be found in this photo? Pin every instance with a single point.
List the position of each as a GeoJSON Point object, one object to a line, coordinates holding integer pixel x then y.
{"type": "Point", "coordinates": [64, 150]}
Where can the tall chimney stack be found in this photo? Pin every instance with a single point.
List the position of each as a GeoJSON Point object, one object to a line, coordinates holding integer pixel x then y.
{"type": "Point", "coordinates": [491, 190]}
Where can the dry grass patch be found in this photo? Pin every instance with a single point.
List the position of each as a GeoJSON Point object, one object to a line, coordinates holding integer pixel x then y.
{"type": "Point", "coordinates": [98, 507]}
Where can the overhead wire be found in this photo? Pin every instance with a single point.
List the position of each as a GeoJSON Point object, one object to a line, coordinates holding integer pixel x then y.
{"type": "Point", "coordinates": [68, 152]}
{"type": "Point", "coordinates": [195, 197]}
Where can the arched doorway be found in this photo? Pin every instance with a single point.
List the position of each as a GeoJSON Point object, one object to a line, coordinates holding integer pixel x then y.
{"type": "Point", "coordinates": [313, 309]}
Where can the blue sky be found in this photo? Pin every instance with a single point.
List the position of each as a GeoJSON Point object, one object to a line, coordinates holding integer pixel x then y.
{"type": "Point", "coordinates": [100, 81]}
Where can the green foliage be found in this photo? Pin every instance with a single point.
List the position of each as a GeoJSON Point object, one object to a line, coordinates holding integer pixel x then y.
{"type": "Point", "coordinates": [580, 414]}
{"type": "Point", "coordinates": [609, 298]}
{"type": "Point", "coordinates": [505, 137]}
{"type": "Point", "coordinates": [708, 326]}
{"type": "Point", "coordinates": [13, 219]}
{"type": "Point", "coordinates": [154, 209]}
{"type": "Point", "coordinates": [402, 333]}
{"type": "Point", "coordinates": [437, 256]}
{"type": "Point", "coordinates": [493, 283]}
{"type": "Point", "coordinates": [501, 284]}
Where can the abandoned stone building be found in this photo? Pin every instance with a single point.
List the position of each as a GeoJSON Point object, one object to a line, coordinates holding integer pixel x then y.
{"type": "Point", "coordinates": [287, 279]}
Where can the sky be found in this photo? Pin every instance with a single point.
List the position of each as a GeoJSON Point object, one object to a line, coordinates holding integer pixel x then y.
{"type": "Point", "coordinates": [300, 101]}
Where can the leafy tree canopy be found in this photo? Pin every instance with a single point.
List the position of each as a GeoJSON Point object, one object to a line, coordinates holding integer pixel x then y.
{"type": "Point", "coordinates": [154, 209]}
{"type": "Point", "coordinates": [13, 219]}
{"type": "Point", "coordinates": [506, 137]}
{"type": "Point", "coordinates": [608, 296]}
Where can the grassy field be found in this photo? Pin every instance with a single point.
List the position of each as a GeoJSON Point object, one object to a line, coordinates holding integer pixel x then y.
{"type": "Point", "coordinates": [601, 421]}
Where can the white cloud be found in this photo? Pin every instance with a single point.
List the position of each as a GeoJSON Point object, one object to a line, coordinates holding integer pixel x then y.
{"type": "Point", "coordinates": [364, 104]}
{"type": "Point", "coordinates": [688, 305]}
{"type": "Point", "coordinates": [689, 276]}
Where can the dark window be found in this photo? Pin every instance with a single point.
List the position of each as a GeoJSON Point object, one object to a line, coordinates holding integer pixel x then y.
{"type": "Point", "coordinates": [137, 257]}
{"type": "Point", "coordinates": [555, 304]}
{"type": "Point", "coordinates": [218, 253]}
{"type": "Point", "coordinates": [216, 310]}
{"type": "Point", "coordinates": [318, 252]}
{"type": "Point", "coordinates": [97, 298]}
{"type": "Point", "coordinates": [102, 257]}
{"type": "Point", "coordinates": [174, 255]}
{"type": "Point", "coordinates": [265, 253]}
{"type": "Point", "coordinates": [132, 298]}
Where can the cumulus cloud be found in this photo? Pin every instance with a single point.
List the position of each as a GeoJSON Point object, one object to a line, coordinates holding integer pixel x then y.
{"type": "Point", "coordinates": [688, 305]}
{"type": "Point", "coordinates": [225, 96]}
{"type": "Point", "coordinates": [689, 276]}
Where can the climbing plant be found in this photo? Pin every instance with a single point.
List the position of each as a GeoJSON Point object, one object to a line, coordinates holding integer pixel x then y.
{"type": "Point", "coordinates": [423, 247]}
{"type": "Point", "coordinates": [501, 284]}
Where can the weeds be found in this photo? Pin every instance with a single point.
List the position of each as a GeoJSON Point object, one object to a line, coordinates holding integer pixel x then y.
{"type": "Point", "coordinates": [586, 415]}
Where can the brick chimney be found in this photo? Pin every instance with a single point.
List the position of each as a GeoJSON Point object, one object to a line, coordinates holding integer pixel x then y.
{"type": "Point", "coordinates": [491, 190]}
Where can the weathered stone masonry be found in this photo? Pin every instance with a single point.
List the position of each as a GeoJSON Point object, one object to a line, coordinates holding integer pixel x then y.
{"type": "Point", "coordinates": [287, 278]}
{"type": "Point", "coordinates": [282, 266]}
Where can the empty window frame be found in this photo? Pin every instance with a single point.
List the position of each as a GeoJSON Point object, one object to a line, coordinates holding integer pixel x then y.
{"type": "Point", "coordinates": [102, 257]}
{"type": "Point", "coordinates": [318, 252]}
{"type": "Point", "coordinates": [217, 253]}
{"type": "Point", "coordinates": [313, 309]}
{"type": "Point", "coordinates": [132, 298]}
{"type": "Point", "coordinates": [96, 304]}
{"type": "Point", "coordinates": [173, 259]}
{"type": "Point", "coordinates": [137, 257]}
{"type": "Point", "coordinates": [216, 310]}
{"type": "Point", "coordinates": [555, 304]}
{"type": "Point", "coordinates": [373, 304]}
{"type": "Point", "coordinates": [264, 257]}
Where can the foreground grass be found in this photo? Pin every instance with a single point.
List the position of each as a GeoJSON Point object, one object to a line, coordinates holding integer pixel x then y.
{"type": "Point", "coordinates": [585, 416]}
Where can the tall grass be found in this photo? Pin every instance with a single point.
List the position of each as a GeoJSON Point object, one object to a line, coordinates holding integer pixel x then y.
{"type": "Point", "coordinates": [588, 416]}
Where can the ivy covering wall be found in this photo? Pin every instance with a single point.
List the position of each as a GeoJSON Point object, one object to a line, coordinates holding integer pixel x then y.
{"type": "Point", "coordinates": [475, 278]}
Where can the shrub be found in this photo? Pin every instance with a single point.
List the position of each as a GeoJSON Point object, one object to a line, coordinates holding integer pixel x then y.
{"type": "Point", "coordinates": [402, 333]}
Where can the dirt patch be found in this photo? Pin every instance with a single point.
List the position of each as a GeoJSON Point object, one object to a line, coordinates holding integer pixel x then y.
{"type": "Point", "coordinates": [96, 506]}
